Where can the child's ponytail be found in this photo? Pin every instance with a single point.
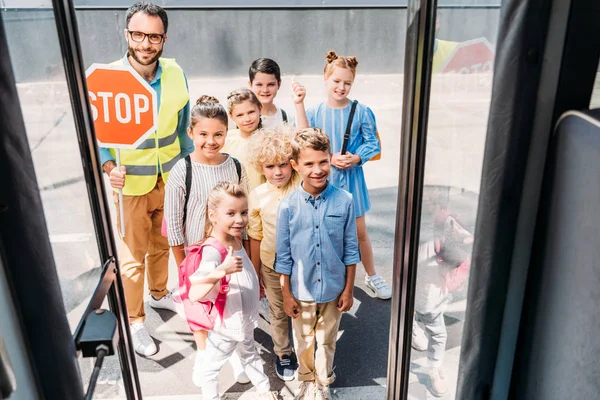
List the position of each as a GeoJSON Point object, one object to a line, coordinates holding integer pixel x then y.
{"type": "Point", "coordinates": [334, 60]}
{"type": "Point", "coordinates": [208, 107]}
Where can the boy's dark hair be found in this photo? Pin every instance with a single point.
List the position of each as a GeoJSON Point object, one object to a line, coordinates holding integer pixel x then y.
{"type": "Point", "coordinates": [266, 66]}
{"type": "Point", "coordinates": [311, 138]}
{"type": "Point", "coordinates": [149, 9]}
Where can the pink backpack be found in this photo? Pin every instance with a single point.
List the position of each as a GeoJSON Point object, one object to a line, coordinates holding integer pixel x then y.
{"type": "Point", "coordinates": [452, 251]}
{"type": "Point", "coordinates": [201, 315]}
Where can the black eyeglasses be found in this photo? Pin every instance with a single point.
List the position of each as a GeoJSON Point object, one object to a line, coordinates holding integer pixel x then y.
{"type": "Point", "coordinates": [154, 38]}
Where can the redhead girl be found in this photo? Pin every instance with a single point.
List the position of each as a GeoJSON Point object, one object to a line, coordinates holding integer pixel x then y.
{"type": "Point", "coordinates": [332, 116]}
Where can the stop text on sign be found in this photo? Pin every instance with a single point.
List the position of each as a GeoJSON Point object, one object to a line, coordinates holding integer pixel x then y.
{"type": "Point", "coordinates": [124, 106]}
{"type": "Point", "coordinates": [473, 69]}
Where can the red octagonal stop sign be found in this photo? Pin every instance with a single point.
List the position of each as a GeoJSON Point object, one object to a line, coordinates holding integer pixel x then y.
{"type": "Point", "coordinates": [470, 57]}
{"type": "Point", "coordinates": [124, 106]}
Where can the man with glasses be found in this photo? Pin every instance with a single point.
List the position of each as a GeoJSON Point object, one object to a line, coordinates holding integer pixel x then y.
{"type": "Point", "coordinates": [145, 170]}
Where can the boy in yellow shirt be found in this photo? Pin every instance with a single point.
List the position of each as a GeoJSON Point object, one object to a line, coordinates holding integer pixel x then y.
{"type": "Point", "coordinates": [270, 154]}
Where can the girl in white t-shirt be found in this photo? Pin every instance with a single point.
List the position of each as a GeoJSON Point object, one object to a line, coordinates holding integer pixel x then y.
{"type": "Point", "coordinates": [226, 218]}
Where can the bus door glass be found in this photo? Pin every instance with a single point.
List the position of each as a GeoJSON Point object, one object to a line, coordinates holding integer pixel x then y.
{"type": "Point", "coordinates": [46, 106]}
{"type": "Point", "coordinates": [462, 66]}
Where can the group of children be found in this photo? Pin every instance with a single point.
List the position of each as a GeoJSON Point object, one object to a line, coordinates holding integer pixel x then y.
{"type": "Point", "coordinates": [278, 206]}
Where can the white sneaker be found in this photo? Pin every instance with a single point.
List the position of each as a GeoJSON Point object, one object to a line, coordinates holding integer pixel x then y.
{"type": "Point", "coordinates": [378, 286]}
{"type": "Point", "coordinates": [197, 370]}
{"type": "Point", "coordinates": [142, 342]}
{"type": "Point", "coordinates": [419, 338]}
{"type": "Point", "coordinates": [307, 391]}
{"type": "Point", "coordinates": [322, 392]}
{"type": "Point", "coordinates": [242, 378]}
{"type": "Point", "coordinates": [166, 302]}
{"type": "Point", "coordinates": [438, 385]}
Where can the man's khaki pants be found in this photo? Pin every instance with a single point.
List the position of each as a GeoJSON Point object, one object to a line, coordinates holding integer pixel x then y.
{"type": "Point", "coordinates": [143, 250]}
{"type": "Point", "coordinates": [320, 322]}
{"type": "Point", "coordinates": [279, 320]}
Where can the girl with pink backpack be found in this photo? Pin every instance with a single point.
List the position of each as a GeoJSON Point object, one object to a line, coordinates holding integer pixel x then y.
{"type": "Point", "coordinates": [186, 192]}
{"type": "Point", "coordinates": [223, 287]}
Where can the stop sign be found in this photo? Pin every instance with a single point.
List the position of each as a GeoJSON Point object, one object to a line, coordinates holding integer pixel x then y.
{"type": "Point", "coordinates": [124, 106]}
{"type": "Point", "coordinates": [470, 57]}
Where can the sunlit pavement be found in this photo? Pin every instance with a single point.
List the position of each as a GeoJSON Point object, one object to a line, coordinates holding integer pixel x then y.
{"type": "Point", "coordinates": [454, 153]}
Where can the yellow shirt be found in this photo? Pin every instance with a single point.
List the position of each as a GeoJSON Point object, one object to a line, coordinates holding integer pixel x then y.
{"type": "Point", "coordinates": [262, 209]}
{"type": "Point", "coordinates": [238, 147]}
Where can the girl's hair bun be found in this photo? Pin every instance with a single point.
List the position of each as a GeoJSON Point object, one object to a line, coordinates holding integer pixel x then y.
{"type": "Point", "coordinates": [331, 56]}
{"type": "Point", "coordinates": [351, 62]}
{"type": "Point", "coordinates": [336, 61]}
{"type": "Point", "coordinates": [205, 99]}
{"type": "Point", "coordinates": [207, 107]}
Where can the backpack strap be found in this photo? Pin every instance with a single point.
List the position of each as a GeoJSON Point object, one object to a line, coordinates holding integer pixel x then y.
{"type": "Point", "coordinates": [349, 127]}
{"type": "Point", "coordinates": [238, 169]}
{"type": "Point", "coordinates": [284, 115]}
{"type": "Point", "coordinates": [188, 185]}
{"type": "Point", "coordinates": [211, 241]}
{"type": "Point", "coordinates": [223, 251]}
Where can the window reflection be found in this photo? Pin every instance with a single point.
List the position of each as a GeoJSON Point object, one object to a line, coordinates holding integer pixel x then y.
{"type": "Point", "coordinates": [46, 108]}
{"type": "Point", "coordinates": [460, 97]}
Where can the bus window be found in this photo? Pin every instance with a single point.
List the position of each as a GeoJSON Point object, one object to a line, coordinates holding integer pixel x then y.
{"type": "Point", "coordinates": [458, 113]}
{"type": "Point", "coordinates": [48, 116]}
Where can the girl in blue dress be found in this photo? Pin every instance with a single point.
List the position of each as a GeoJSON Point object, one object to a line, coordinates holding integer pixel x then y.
{"type": "Point", "coordinates": [331, 116]}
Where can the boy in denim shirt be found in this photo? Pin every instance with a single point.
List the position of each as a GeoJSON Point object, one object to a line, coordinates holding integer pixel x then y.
{"type": "Point", "coordinates": [317, 253]}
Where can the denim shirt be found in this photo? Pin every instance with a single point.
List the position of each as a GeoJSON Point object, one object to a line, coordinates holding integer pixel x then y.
{"type": "Point", "coordinates": [316, 240]}
{"type": "Point", "coordinates": [185, 143]}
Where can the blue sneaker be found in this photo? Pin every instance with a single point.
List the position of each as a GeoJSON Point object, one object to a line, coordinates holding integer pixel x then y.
{"type": "Point", "coordinates": [286, 367]}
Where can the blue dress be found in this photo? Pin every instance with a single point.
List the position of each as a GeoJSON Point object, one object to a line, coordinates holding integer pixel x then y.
{"type": "Point", "coordinates": [363, 141]}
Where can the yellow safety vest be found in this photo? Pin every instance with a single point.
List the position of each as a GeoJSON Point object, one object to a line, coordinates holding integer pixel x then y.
{"type": "Point", "coordinates": [161, 150]}
{"type": "Point", "coordinates": [442, 52]}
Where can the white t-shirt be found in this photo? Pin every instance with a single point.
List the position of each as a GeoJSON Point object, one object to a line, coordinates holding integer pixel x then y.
{"type": "Point", "coordinates": [273, 121]}
{"type": "Point", "coordinates": [241, 308]}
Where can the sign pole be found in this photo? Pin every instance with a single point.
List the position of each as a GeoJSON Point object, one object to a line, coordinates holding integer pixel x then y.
{"type": "Point", "coordinates": [121, 214]}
